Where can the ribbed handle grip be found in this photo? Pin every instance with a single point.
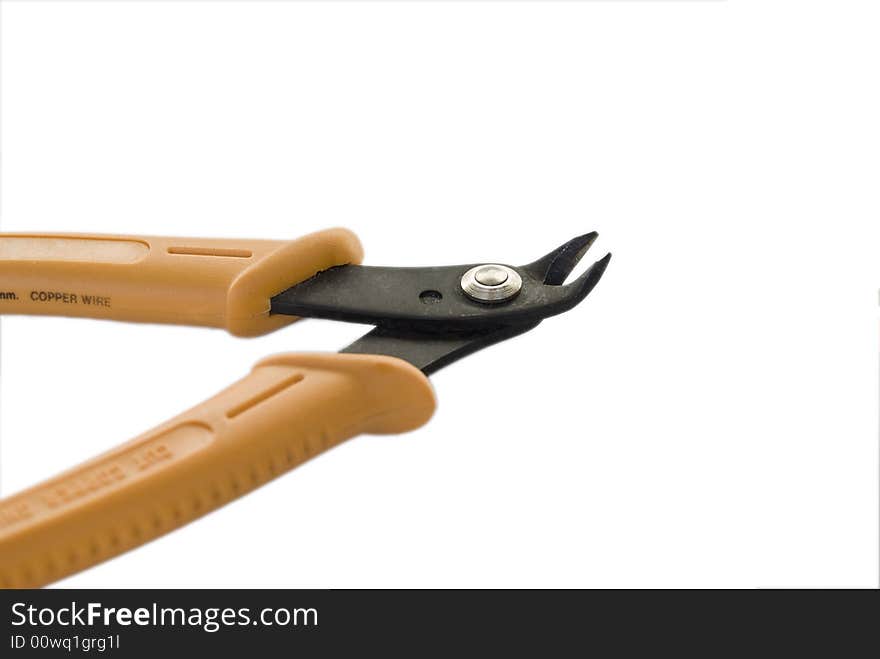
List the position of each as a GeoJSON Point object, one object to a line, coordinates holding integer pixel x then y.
{"type": "Point", "coordinates": [287, 410]}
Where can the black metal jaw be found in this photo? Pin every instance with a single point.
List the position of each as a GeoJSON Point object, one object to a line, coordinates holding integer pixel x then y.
{"type": "Point", "coordinates": [423, 315]}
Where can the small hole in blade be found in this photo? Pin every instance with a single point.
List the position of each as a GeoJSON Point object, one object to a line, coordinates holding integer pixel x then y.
{"type": "Point", "coordinates": [430, 297]}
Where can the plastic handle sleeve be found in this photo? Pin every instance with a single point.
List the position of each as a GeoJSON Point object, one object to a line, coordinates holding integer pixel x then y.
{"type": "Point", "coordinates": [184, 281]}
{"type": "Point", "coordinates": [288, 409]}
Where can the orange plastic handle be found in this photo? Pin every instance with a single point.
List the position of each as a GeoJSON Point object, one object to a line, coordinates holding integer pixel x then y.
{"type": "Point", "coordinates": [185, 281]}
{"type": "Point", "coordinates": [287, 410]}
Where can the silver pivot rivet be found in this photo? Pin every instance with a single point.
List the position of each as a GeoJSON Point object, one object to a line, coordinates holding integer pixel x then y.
{"type": "Point", "coordinates": [491, 283]}
{"type": "Point", "coordinates": [491, 275]}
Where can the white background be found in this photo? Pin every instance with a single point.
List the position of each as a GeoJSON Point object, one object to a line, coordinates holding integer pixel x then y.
{"type": "Point", "coordinates": [708, 417]}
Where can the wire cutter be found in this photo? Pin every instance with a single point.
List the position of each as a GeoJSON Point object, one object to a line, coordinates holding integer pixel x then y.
{"type": "Point", "coordinates": [290, 407]}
